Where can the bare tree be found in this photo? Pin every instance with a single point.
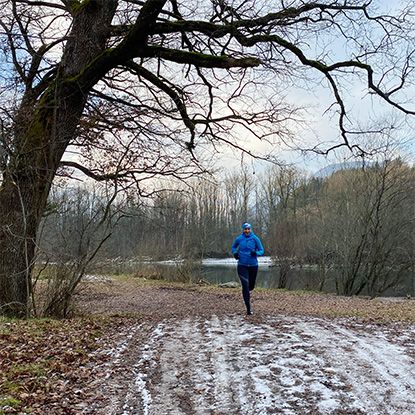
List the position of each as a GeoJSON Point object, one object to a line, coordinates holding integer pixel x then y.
{"type": "Point", "coordinates": [138, 88]}
{"type": "Point", "coordinates": [279, 188]}
{"type": "Point", "coordinates": [363, 227]}
{"type": "Point", "coordinates": [82, 220]}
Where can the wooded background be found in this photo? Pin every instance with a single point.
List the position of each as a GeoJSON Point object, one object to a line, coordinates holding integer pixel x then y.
{"type": "Point", "coordinates": [358, 221]}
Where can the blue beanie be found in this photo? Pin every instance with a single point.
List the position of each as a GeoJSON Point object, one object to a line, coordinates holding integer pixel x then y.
{"type": "Point", "coordinates": [246, 225]}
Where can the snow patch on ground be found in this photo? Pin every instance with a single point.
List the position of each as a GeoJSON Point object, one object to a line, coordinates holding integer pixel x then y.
{"type": "Point", "coordinates": [286, 365]}
{"type": "Point", "coordinates": [263, 261]}
{"type": "Point", "coordinates": [140, 391]}
{"type": "Point", "coordinates": [96, 278]}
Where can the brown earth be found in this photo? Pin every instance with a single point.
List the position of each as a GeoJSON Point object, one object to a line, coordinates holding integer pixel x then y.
{"type": "Point", "coordinates": [317, 353]}
{"type": "Point", "coordinates": [160, 300]}
{"type": "Point", "coordinates": [133, 331]}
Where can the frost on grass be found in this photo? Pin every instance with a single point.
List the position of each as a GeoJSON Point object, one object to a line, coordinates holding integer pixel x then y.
{"type": "Point", "coordinates": [287, 365]}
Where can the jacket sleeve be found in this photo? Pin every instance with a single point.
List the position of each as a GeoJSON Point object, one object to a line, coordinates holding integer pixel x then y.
{"type": "Point", "coordinates": [235, 245]}
{"type": "Point", "coordinates": [259, 247]}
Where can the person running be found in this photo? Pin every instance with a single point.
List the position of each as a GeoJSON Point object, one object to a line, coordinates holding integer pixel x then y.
{"type": "Point", "coordinates": [245, 249]}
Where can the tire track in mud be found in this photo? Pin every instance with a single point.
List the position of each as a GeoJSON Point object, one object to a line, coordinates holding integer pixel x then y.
{"type": "Point", "coordinates": [286, 365]}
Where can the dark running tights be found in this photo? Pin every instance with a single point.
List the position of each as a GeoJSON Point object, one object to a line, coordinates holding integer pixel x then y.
{"type": "Point", "coordinates": [247, 275]}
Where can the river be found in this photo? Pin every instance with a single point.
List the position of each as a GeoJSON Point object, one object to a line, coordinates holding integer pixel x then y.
{"type": "Point", "coordinates": [217, 271]}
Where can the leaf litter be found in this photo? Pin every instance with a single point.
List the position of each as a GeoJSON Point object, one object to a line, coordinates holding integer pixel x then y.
{"type": "Point", "coordinates": [158, 348]}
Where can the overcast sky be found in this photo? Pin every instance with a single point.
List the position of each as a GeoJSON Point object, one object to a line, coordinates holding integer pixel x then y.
{"type": "Point", "coordinates": [322, 126]}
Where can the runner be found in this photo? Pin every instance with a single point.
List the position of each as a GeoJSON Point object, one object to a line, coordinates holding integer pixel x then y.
{"type": "Point", "coordinates": [245, 249]}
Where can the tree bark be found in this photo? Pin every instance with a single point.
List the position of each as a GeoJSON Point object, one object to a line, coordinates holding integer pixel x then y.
{"type": "Point", "coordinates": [42, 137]}
{"type": "Point", "coordinates": [17, 244]}
{"type": "Point", "coordinates": [45, 125]}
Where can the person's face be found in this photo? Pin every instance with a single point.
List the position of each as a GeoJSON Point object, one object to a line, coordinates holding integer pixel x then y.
{"type": "Point", "coordinates": [247, 231]}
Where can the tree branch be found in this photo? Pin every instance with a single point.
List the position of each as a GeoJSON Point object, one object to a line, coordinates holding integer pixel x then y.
{"type": "Point", "coordinates": [200, 59]}
{"type": "Point", "coordinates": [140, 71]}
{"type": "Point", "coordinates": [97, 177]}
{"type": "Point", "coordinates": [42, 3]}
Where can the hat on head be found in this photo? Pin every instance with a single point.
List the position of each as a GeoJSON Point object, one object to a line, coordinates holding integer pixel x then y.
{"type": "Point", "coordinates": [246, 225]}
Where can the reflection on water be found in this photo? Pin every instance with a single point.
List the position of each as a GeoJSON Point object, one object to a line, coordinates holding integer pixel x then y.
{"type": "Point", "coordinates": [217, 271]}
{"type": "Point", "coordinates": [267, 277]}
{"type": "Point", "coordinates": [299, 278]}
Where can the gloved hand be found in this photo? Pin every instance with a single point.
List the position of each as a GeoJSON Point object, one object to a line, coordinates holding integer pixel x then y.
{"type": "Point", "coordinates": [253, 253]}
{"type": "Point", "coordinates": [236, 255]}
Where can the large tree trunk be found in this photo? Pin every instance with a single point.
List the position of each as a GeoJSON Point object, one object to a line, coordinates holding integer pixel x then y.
{"type": "Point", "coordinates": [41, 136]}
{"type": "Point", "coordinates": [45, 125]}
{"type": "Point", "coordinates": [17, 245]}
{"type": "Point", "coordinates": [22, 202]}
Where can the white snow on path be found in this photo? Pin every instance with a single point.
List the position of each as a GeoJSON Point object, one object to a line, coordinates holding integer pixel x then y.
{"type": "Point", "coordinates": [287, 365]}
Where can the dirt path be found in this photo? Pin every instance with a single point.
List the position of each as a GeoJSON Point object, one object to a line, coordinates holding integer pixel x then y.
{"type": "Point", "coordinates": [193, 351]}
{"type": "Point", "coordinates": [267, 365]}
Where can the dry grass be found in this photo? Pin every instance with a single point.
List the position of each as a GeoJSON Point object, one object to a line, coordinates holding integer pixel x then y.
{"type": "Point", "coordinates": [161, 299]}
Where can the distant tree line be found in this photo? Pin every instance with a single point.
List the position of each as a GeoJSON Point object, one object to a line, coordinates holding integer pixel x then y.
{"type": "Point", "coordinates": [358, 222]}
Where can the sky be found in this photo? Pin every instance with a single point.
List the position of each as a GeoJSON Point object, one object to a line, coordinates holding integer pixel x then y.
{"type": "Point", "coordinates": [322, 127]}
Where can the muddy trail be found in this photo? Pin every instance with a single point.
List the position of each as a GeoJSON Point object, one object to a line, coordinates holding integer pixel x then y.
{"type": "Point", "coordinates": [273, 365]}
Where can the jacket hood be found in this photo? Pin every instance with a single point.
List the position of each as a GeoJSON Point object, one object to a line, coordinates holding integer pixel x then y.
{"type": "Point", "coordinates": [246, 225]}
